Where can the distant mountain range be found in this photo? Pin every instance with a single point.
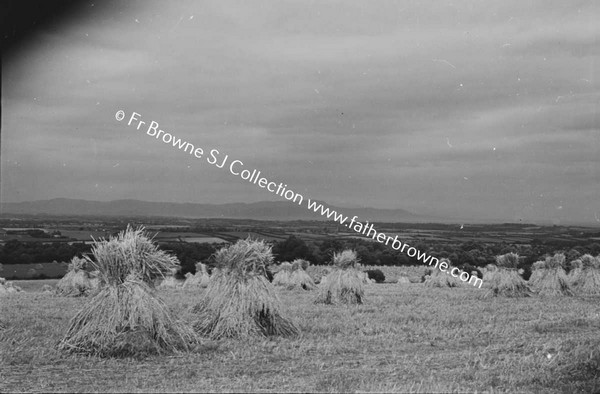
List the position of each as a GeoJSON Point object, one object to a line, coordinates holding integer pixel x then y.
{"type": "Point", "coordinates": [264, 210]}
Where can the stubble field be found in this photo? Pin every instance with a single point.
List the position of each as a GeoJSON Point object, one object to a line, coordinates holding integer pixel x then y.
{"type": "Point", "coordinates": [405, 338]}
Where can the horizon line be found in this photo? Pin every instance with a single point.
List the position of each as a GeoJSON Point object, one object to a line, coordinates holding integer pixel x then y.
{"type": "Point", "coordinates": [433, 219]}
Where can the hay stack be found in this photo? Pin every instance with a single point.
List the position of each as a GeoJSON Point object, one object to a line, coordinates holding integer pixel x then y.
{"type": "Point", "coordinates": [536, 273]}
{"type": "Point", "coordinates": [437, 278]}
{"type": "Point", "coordinates": [169, 283]}
{"type": "Point", "coordinates": [587, 279]}
{"type": "Point", "coordinates": [190, 281]}
{"type": "Point", "coordinates": [317, 272]}
{"type": "Point", "coordinates": [551, 279]}
{"type": "Point", "coordinates": [506, 281]}
{"type": "Point", "coordinates": [239, 300]}
{"type": "Point", "coordinates": [282, 276]}
{"type": "Point", "coordinates": [403, 280]}
{"type": "Point", "coordinates": [304, 264]}
{"type": "Point", "coordinates": [8, 287]}
{"type": "Point", "coordinates": [202, 271]}
{"type": "Point", "coordinates": [126, 318]}
{"type": "Point", "coordinates": [76, 282]}
{"type": "Point", "coordinates": [365, 278]}
{"type": "Point", "coordinates": [575, 268]}
{"type": "Point", "coordinates": [345, 283]}
{"type": "Point", "coordinates": [488, 273]}
{"type": "Point", "coordinates": [198, 280]}
{"type": "Point", "coordinates": [95, 280]}
{"type": "Point", "coordinates": [131, 251]}
{"type": "Point", "coordinates": [300, 264]}
{"type": "Point", "coordinates": [298, 278]}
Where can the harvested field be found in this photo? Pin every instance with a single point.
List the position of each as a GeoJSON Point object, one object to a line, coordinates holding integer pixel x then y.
{"type": "Point", "coordinates": [403, 338]}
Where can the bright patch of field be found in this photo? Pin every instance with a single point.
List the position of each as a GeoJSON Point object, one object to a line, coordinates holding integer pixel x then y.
{"type": "Point", "coordinates": [161, 226]}
{"type": "Point", "coordinates": [175, 234]}
{"type": "Point", "coordinates": [35, 286]}
{"type": "Point", "coordinates": [256, 235]}
{"type": "Point", "coordinates": [479, 239]}
{"type": "Point", "coordinates": [171, 236]}
{"type": "Point", "coordinates": [406, 338]}
{"type": "Point", "coordinates": [205, 240]}
{"type": "Point", "coordinates": [421, 236]}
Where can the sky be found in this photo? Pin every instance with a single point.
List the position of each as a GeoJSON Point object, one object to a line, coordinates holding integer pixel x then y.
{"type": "Point", "coordinates": [475, 110]}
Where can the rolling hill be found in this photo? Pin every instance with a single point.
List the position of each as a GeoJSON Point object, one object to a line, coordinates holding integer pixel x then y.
{"type": "Point", "coordinates": [264, 210]}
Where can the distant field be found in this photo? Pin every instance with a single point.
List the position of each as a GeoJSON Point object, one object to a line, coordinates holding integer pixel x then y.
{"type": "Point", "coordinates": [175, 234]}
{"type": "Point", "coordinates": [24, 270]}
{"type": "Point", "coordinates": [27, 238]}
{"type": "Point", "coordinates": [79, 235]}
{"type": "Point", "coordinates": [84, 235]}
{"type": "Point", "coordinates": [405, 338]}
{"type": "Point", "coordinates": [255, 235]}
{"type": "Point", "coordinates": [168, 236]}
{"type": "Point", "coordinates": [204, 240]}
{"type": "Point", "coordinates": [161, 226]}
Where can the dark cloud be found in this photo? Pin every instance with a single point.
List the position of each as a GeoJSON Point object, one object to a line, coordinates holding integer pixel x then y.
{"type": "Point", "coordinates": [471, 110]}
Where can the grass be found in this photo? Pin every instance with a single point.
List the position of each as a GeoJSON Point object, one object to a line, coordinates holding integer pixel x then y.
{"type": "Point", "coordinates": [403, 339]}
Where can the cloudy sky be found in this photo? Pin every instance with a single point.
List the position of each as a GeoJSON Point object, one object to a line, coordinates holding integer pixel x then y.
{"type": "Point", "coordinates": [467, 109]}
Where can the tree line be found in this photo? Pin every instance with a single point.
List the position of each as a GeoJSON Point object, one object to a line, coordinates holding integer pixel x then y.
{"type": "Point", "coordinates": [465, 255]}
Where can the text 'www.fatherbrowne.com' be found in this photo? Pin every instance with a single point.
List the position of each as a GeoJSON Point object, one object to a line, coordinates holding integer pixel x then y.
{"type": "Point", "coordinates": [237, 168]}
